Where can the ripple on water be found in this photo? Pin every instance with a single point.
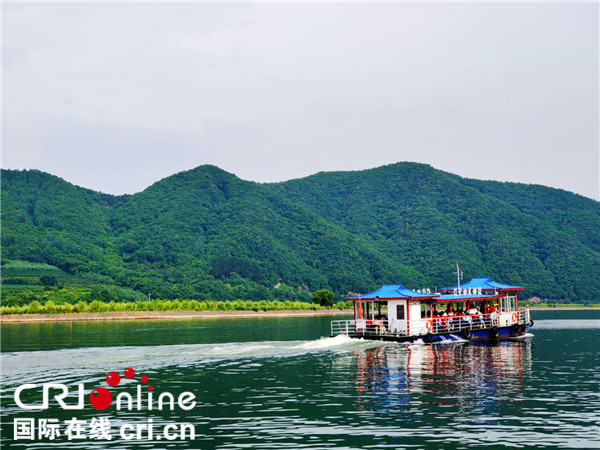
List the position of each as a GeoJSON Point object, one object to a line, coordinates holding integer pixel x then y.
{"type": "Point", "coordinates": [347, 393]}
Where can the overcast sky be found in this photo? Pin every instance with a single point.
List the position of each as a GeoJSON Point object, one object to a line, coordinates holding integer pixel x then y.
{"type": "Point", "coordinates": [115, 96]}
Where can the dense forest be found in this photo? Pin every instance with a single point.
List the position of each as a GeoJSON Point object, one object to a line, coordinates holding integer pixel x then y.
{"type": "Point", "coordinates": [205, 234]}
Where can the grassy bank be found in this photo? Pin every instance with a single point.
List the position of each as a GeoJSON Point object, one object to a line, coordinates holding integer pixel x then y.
{"type": "Point", "coordinates": [96, 306]}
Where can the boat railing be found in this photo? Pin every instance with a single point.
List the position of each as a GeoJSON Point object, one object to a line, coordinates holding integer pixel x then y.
{"type": "Point", "coordinates": [434, 325]}
{"type": "Point", "coordinates": [359, 326]}
{"type": "Point", "coordinates": [438, 325]}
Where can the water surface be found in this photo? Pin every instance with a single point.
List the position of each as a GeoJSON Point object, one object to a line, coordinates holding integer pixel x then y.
{"type": "Point", "coordinates": [273, 383]}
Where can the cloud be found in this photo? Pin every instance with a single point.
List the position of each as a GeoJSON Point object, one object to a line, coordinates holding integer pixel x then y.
{"type": "Point", "coordinates": [272, 91]}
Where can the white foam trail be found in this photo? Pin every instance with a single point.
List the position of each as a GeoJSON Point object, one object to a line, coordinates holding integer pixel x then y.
{"type": "Point", "coordinates": [325, 343]}
{"type": "Point", "coordinates": [452, 339]}
{"type": "Point", "coordinates": [68, 363]}
{"type": "Point", "coordinates": [524, 336]}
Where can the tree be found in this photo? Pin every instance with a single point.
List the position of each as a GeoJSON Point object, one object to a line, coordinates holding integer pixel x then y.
{"type": "Point", "coordinates": [48, 280]}
{"type": "Point", "coordinates": [323, 297]}
{"type": "Point", "coordinates": [35, 307]}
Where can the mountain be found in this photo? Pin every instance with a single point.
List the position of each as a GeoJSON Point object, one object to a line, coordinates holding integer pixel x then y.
{"type": "Point", "coordinates": [543, 238]}
{"type": "Point", "coordinates": [205, 233]}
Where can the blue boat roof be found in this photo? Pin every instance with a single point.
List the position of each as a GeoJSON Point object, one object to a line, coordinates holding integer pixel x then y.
{"type": "Point", "coordinates": [486, 284]}
{"type": "Point", "coordinates": [393, 291]}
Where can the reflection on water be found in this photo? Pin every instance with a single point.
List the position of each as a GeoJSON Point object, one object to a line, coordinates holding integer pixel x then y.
{"type": "Point", "coordinates": [479, 377]}
{"type": "Point", "coordinates": [335, 392]}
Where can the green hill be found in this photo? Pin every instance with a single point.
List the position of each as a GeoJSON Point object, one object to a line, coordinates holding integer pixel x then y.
{"type": "Point", "coordinates": [25, 281]}
{"type": "Point", "coordinates": [206, 234]}
{"type": "Point", "coordinates": [429, 219]}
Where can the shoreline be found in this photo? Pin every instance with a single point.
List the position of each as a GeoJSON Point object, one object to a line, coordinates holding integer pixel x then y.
{"type": "Point", "coordinates": [564, 308]}
{"type": "Point", "coordinates": [189, 315]}
{"type": "Point", "coordinates": [163, 315]}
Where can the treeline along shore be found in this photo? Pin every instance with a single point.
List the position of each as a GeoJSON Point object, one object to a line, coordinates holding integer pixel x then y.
{"type": "Point", "coordinates": [186, 309]}
{"type": "Point", "coordinates": [96, 307]}
{"type": "Point", "coordinates": [166, 315]}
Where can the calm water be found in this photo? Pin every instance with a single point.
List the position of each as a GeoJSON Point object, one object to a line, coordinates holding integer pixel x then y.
{"type": "Point", "coordinates": [272, 383]}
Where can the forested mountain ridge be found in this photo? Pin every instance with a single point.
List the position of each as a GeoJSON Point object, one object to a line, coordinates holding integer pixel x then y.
{"type": "Point", "coordinates": [429, 219]}
{"type": "Point", "coordinates": [207, 234]}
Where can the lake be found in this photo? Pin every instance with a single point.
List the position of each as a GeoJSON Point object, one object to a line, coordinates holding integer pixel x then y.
{"type": "Point", "coordinates": [273, 383]}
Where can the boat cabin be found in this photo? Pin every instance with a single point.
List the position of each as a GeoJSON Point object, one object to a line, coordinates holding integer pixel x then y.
{"type": "Point", "coordinates": [509, 298]}
{"type": "Point", "coordinates": [396, 311]}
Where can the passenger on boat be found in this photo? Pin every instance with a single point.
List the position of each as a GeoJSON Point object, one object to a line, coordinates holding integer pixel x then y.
{"type": "Point", "coordinates": [380, 327]}
{"type": "Point", "coordinates": [451, 320]}
{"type": "Point", "coordinates": [468, 318]}
{"type": "Point", "coordinates": [445, 319]}
{"type": "Point", "coordinates": [494, 314]}
{"type": "Point", "coordinates": [462, 318]}
{"type": "Point", "coordinates": [475, 315]}
{"type": "Point", "coordinates": [437, 320]}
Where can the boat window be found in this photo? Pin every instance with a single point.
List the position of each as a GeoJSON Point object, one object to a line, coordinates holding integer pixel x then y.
{"type": "Point", "coordinates": [400, 312]}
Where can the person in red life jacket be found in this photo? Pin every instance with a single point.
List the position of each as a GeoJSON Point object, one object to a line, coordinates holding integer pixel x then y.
{"type": "Point", "coordinates": [444, 321]}
{"type": "Point", "coordinates": [494, 310]}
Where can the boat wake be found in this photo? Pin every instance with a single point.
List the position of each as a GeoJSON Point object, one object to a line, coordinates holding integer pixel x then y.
{"type": "Point", "coordinates": [451, 339]}
{"type": "Point", "coordinates": [55, 365]}
{"type": "Point", "coordinates": [524, 336]}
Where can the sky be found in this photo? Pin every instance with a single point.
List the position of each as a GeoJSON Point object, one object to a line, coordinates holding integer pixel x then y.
{"type": "Point", "coordinates": [115, 96]}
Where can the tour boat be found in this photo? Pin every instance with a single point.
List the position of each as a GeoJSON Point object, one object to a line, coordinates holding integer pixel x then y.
{"type": "Point", "coordinates": [479, 309]}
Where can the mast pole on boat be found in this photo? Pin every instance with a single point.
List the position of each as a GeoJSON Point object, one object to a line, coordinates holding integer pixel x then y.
{"type": "Point", "coordinates": [458, 274]}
